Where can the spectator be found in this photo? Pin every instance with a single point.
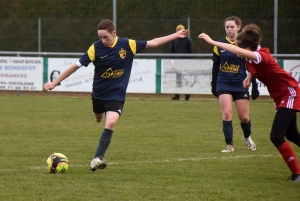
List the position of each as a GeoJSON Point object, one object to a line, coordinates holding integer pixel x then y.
{"type": "Point", "coordinates": [182, 46]}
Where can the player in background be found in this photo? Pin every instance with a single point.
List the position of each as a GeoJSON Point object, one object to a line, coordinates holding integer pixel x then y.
{"type": "Point", "coordinates": [228, 73]}
{"type": "Point", "coordinates": [112, 57]}
{"type": "Point", "coordinates": [182, 46]}
{"type": "Point", "coordinates": [283, 88]}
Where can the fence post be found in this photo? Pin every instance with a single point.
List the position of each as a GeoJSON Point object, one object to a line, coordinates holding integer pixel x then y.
{"type": "Point", "coordinates": [275, 25]}
{"type": "Point", "coordinates": [189, 27]}
{"type": "Point", "coordinates": [39, 34]}
{"type": "Point", "coordinates": [115, 13]}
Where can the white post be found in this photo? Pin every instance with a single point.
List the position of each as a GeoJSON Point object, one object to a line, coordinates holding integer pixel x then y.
{"type": "Point", "coordinates": [115, 13]}
{"type": "Point", "coordinates": [39, 34]}
{"type": "Point", "coordinates": [189, 27]}
{"type": "Point", "coordinates": [275, 25]}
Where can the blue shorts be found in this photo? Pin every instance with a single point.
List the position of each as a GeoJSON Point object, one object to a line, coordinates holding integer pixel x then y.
{"type": "Point", "coordinates": [100, 107]}
{"type": "Point", "coordinates": [236, 95]}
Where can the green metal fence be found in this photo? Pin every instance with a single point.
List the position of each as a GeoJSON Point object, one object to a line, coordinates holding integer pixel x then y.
{"type": "Point", "coordinates": [68, 27]}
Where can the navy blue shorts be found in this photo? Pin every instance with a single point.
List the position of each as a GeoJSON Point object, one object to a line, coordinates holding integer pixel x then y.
{"type": "Point", "coordinates": [100, 107]}
{"type": "Point", "coordinates": [236, 95]}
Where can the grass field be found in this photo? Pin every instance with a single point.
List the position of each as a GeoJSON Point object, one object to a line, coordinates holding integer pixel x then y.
{"type": "Point", "coordinates": [160, 150]}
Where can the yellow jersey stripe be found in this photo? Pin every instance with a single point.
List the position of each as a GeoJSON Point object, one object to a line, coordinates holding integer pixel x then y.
{"type": "Point", "coordinates": [230, 41]}
{"type": "Point", "coordinates": [115, 41]}
{"type": "Point", "coordinates": [132, 45]}
{"type": "Point", "coordinates": [91, 53]}
{"type": "Point", "coordinates": [216, 50]}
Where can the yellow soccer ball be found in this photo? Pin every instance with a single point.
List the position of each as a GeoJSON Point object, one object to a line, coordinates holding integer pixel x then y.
{"type": "Point", "coordinates": [57, 162]}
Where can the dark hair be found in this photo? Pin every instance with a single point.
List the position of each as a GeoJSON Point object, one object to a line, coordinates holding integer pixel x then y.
{"type": "Point", "coordinates": [249, 37]}
{"type": "Point", "coordinates": [106, 25]}
{"type": "Point", "coordinates": [237, 20]}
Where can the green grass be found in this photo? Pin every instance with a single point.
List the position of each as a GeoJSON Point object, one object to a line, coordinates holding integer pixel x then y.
{"type": "Point", "coordinates": [160, 150]}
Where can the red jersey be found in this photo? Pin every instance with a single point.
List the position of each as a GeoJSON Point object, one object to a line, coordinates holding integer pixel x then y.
{"type": "Point", "coordinates": [281, 85]}
{"type": "Point", "coordinates": [268, 71]}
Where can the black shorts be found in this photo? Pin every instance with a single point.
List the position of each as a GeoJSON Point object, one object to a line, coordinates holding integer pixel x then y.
{"type": "Point", "coordinates": [104, 106]}
{"type": "Point", "coordinates": [236, 95]}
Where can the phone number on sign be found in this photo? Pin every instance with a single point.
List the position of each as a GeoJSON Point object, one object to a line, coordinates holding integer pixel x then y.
{"type": "Point", "coordinates": [13, 85]}
{"type": "Point", "coordinates": [17, 87]}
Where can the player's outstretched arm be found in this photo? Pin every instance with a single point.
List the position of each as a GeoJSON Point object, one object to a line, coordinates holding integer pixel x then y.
{"type": "Point", "coordinates": [229, 47]}
{"type": "Point", "coordinates": [162, 40]}
{"type": "Point", "coordinates": [64, 75]}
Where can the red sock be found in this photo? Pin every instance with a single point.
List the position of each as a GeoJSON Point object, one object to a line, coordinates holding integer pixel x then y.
{"type": "Point", "coordinates": [289, 157]}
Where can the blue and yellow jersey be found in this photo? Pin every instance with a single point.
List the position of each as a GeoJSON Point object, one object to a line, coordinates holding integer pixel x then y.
{"type": "Point", "coordinates": [232, 71]}
{"type": "Point", "coordinates": [112, 67]}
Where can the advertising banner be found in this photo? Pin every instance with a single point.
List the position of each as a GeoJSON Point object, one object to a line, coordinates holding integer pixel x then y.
{"type": "Point", "coordinates": [293, 67]}
{"type": "Point", "coordinates": [80, 81]}
{"type": "Point", "coordinates": [142, 77]}
{"type": "Point", "coordinates": [21, 73]}
{"type": "Point", "coordinates": [183, 76]}
{"type": "Point", "coordinates": [186, 76]}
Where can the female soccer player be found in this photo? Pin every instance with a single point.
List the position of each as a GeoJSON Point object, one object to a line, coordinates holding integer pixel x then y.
{"type": "Point", "coordinates": [283, 88]}
{"type": "Point", "coordinates": [228, 73]}
{"type": "Point", "coordinates": [112, 57]}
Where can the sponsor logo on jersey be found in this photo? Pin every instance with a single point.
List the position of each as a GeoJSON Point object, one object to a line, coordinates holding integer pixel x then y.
{"type": "Point", "coordinates": [230, 68]}
{"type": "Point", "coordinates": [122, 53]}
{"type": "Point", "coordinates": [110, 73]}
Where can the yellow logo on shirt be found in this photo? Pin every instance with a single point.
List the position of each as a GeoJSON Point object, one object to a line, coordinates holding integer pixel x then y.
{"type": "Point", "coordinates": [122, 53]}
{"type": "Point", "coordinates": [230, 68]}
{"type": "Point", "coordinates": [110, 73]}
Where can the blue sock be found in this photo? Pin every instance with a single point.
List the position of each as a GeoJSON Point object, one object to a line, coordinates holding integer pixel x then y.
{"type": "Point", "coordinates": [104, 142]}
{"type": "Point", "coordinates": [228, 132]}
{"type": "Point", "coordinates": [246, 129]}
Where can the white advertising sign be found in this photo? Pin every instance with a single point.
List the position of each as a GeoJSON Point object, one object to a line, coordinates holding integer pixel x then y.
{"type": "Point", "coordinates": [186, 76]}
{"type": "Point", "coordinates": [80, 81]}
{"type": "Point", "coordinates": [293, 67]}
{"type": "Point", "coordinates": [142, 78]}
{"type": "Point", "coordinates": [21, 73]}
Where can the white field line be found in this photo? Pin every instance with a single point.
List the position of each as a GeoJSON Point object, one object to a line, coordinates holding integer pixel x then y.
{"type": "Point", "coordinates": [194, 102]}
{"type": "Point", "coordinates": [155, 161]}
{"type": "Point", "coordinates": [132, 100]}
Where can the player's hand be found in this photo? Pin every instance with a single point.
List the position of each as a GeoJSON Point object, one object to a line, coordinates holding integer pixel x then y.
{"type": "Point", "coordinates": [182, 33]}
{"type": "Point", "coordinates": [49, 86]}
{"type": "Point", "coordinates": [246, 82]}
{"type": "Point", "coordinates": [254, 93]}
{"type": "Point", "coordinates": [206, 38]}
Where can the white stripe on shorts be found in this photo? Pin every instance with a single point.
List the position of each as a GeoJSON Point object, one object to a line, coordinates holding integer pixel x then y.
{"type": "Point", "coordinates": [291, 99]}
